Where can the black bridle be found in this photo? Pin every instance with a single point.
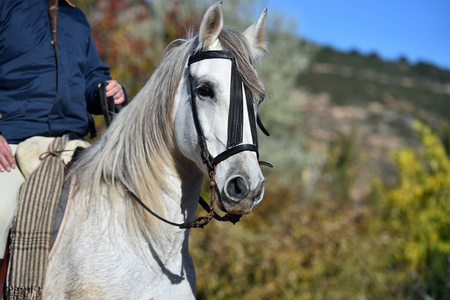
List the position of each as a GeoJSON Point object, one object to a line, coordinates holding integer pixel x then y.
{"type": "Point", "coordinates": [235, 143]}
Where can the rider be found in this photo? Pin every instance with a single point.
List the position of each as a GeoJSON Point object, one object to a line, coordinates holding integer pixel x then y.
{"type": "Point", "coordinates": [49, 78]}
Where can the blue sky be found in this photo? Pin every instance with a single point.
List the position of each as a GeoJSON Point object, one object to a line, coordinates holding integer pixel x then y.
{"type": "Point", "coordinates": [416, 29]}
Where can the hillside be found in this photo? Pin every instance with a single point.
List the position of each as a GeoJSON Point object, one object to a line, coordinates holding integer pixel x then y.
{"type": "Point", "coordinates": [369, 106]}
{"type": "Point", "coordinates": [422, 90]}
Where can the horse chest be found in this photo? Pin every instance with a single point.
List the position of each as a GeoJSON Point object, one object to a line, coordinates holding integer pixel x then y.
{"type": "Point", "coordinates": [117, 266]}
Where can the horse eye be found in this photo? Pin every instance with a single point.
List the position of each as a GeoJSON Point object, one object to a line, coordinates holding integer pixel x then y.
{"type": "Point", "coordinates": [205, 91]}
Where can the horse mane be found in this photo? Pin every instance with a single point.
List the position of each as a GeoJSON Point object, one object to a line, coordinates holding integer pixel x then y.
{"type": "Point", "coordinates": [139, 148]}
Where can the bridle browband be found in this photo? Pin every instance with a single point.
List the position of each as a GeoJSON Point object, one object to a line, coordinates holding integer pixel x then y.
{"type": "Point", "coordinates": [235, 143]}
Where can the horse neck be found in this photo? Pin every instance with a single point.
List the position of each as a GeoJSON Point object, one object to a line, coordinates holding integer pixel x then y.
{"type": "Point", "coordinates": [180, 204]}
{"type": "Point", "coordinates": [187, 181]}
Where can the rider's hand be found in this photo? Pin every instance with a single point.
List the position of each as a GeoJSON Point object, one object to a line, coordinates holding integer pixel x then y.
{"type": "Point", "coordinates": [114, 89]}
{"type": "Point", "coordinates": [6, 158]}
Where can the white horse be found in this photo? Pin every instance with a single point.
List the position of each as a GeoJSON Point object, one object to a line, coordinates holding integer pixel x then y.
{"type": "Point", "coordinates": [159, 147]}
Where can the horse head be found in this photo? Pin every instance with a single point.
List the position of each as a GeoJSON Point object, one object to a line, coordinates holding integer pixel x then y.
{"type": "Point", "coordinates": [216, 108]}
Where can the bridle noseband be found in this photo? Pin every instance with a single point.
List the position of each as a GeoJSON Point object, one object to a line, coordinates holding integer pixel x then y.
{"type": "Point", "coordinates": [235, 143]}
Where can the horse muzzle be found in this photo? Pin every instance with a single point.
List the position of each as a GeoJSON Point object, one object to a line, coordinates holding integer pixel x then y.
{"type": "Point", "coordinates": [238, 197]}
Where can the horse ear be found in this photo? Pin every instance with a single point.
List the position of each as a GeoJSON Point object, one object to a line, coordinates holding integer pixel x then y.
{"type": "Point", "coordinates": [255, 34]}
{"type": "Point", "coordinates": [211, 26]}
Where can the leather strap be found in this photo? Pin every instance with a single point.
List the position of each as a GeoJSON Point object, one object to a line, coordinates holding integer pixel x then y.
{"type": "Point", "coordinates": [198, 223]}
{"type": "Point", "coordinates": [234, 150]}
{"type": "Point", "coordinates": [196, 57]}
{"type": "Point", "coordinates": [204, 153]}
{"type": "Point", "coordinates": [106, 104]}
{"type": "Point", "coordinates": [261, 126]}
{"type": "Point", "coordinates": [251, 115]}
{"type": "Point", "coordinates": [236, 113]}
{"type": "Point", "coordinates": [110, 110]}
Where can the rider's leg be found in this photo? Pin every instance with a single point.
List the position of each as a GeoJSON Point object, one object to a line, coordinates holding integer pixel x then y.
{"type": "Point", "coordinates": [10, 183]}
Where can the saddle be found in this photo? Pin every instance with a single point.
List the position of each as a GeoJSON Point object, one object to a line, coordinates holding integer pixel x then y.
{"type": "Point", "coordinates": [29, 152]}
{"type": "Point", "coordinates": [40, 209]}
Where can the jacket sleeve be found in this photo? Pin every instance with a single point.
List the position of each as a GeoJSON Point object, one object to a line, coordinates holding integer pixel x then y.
{"type": "Point", "coordinates": [96, 72]}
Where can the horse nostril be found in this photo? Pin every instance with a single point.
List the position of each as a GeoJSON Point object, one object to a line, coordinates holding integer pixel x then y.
{"type": "Point", "coordinates": [236, 188]}
{"type": "Point", "coordinates": [259, 193]}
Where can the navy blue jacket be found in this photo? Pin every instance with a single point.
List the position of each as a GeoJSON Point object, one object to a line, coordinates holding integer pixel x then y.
{"type": "Point", "coordinates": [39, 93]}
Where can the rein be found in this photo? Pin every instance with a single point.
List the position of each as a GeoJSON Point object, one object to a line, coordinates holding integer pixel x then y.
{"type": "Point", "coordinates": [202, 221]}
{"type": "Point", "coordinates": [110, 110]}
